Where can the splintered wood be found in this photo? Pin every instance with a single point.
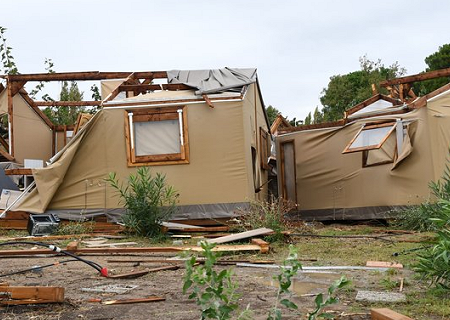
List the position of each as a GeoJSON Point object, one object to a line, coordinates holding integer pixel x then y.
{"type": "Point", "coordinates": [11, 295]}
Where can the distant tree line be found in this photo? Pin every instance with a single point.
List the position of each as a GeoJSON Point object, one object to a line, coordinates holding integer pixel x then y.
{"type": "Point", "coordinates": [345, 91]}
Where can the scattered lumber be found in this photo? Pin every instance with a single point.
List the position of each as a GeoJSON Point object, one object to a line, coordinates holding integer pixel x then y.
{"type": "Point", "coordinates": [141, 273]}
{"type": "Point", "coordinates": [106, 245]}
{"type": "Point", "coordinates": [262, 244]}
{"type": "Point", "coordinates": [12, 295]}
{"type": "Point", "coordinates": [63, 237]}
{"type": "Point", "coordinates": [200, 260]}
{"type": "Point", "coordinates": [241, 235]}
{"type": "Point", "coordinates": [138, 300]}
{"type": "Point", "coordinates": [384, 264]}
{"type": "Point", "coordinates": [219, 248]}
{"type": "Point", "coordinates": [387, 314]}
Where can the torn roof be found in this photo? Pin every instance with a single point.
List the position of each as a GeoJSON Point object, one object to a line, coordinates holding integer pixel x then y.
{"type": "Point", "coordinates": [213, 81]}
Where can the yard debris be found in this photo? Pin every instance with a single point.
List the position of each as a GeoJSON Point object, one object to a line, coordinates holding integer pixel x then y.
{"type": "Point", "coordinates": [138, 300]}
{"type": "Point", "coordinates": [111, 288]}
{"type": "Point", "coordinates": [387, 314]}
{"type": "Point", "coordinates": [12, 295]}
{"type": "Point", "coordinates": [141, 273]}
{"type": "Point", "coordinates": [241, 235]}
{"type": "Point", "coordinates": [384, 264]}
{"type": "Point", "coordinates": [321, 268]}
{"type": "Point", "coordinates": [220, 248]}
{"type": "Point", "coordinates": [376, 296]}
{"type": "Point", "coordinates": [115, 244]}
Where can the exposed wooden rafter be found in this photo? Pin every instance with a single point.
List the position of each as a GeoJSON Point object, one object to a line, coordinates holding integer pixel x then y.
{"type": "Point", "coordinates": [369, 101]}
{"type": "Point", "coordinates": [417, 77]}
{"type": "Point", "coordinates": [67, 103]}
{"type": "Point", "coordinates": [84, 76]}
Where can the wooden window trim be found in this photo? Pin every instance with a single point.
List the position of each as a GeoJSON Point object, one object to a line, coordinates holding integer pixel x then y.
{"type": "Point", "coordinates": [265, 149]}
{"type": "Point", "coordinates": [365, 155]}
{"type": "Point", "coordinates": [157, 114]}
{"type": "Point", "coordinates": [371, 147]}
{"type": "Point", "coordinates": [284, 191]}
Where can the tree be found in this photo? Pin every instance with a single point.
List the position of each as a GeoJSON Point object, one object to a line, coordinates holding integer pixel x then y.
{"type": "Point", "coordinates": [438, 60]}
{"type": "Point", "coordinates": [318, 116]}
{"type": "Point", "coordinates": [66, 115]}
{"type": "Point", "coordinates": [308, 119]}
{"type": "Point", "coordinates": [345, 91]}
{"type": "Point", "coordinates": [272, 113]}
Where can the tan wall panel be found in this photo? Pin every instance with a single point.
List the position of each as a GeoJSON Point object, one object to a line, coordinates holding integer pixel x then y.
{"type": "Point", "coordinates": [326, 178]}
{"type": "Point", "coordinates": [216, 172]}
{"type": "Point", "coordinates": [32, 137]}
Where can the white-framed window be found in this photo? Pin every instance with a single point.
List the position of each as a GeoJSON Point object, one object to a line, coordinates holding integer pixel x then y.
{"type": "Point", "coordinates": [157, 136]}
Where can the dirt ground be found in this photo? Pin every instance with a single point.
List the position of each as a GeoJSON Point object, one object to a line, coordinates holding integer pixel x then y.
{"type": "Point", "coordinates": [256, 286]}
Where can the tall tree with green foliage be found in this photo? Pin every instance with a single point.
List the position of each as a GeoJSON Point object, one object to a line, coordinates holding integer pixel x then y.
{"type": "Point", "coordinates": [438, 60]}
{"type": "Point", "coordinates": [308, 119]}
{"type": "Point", "coordinates": [66, 115]}
{"type": "Point", "coordinates": [8, 64]}
{"type": "Point", "coordinates": [272, 113]}
{"type": "Point", "coordinates": [346, 91]}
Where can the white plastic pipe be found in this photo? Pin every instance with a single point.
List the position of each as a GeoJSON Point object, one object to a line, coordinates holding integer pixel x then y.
{"type": "Point", "coordinates": [130, 120]}
{"type": "Point", "coordinates": [180, 122]}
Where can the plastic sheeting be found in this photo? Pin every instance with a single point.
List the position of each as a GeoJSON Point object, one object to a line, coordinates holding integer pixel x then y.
{"type": "Point", "coordinates": [213, 81]}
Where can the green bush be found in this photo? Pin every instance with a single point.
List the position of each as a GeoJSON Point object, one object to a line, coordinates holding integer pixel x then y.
{"type": "Point", "coordinates": [266, 214]}
{"type": "Point", "coordinates": [214, 292]}
{"type": "Point", "coordinates": [422, 217]}
{"type": "Point", "coordinates": [434, 264]}
{"type": "Point", "coordinates": [148, 200]}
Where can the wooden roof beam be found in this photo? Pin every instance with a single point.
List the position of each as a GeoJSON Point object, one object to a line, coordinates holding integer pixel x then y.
{"type": "Point", "coordinates": [84, 76]}
{"type": "Point", "coordinates": [147, 87]}
{"type": "Point", "coordinates": [417, 77]}
{"type": "Point", "coordinates": [67, 103]}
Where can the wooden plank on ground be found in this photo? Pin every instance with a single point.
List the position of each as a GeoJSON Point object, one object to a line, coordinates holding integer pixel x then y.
{"type": "Point", "coordinates": [219, 248]}
{"type": "Point", "coordinates": [387, 314]}
{"type": "Point", "coordinates": [384, 264]}
{"type": "Point", "coordinates": [241, 235]}
{"type": "Point", "coordinates": [13, 224]}
{"type": "Point", "coordinates": [138, 300]}
{"type": "Point", "coordinates": [26, 294]}
{"type": "Point", "coordinates": [141, 273]}
{"type": "Point", "coordinates": [262, 244]}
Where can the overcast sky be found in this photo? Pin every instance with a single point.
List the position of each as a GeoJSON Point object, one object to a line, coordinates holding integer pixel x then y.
{"type": "Point", "coordinates": [296, 45]}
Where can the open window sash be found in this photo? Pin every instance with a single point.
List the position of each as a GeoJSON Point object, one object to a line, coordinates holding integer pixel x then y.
{"type": "Point", "coordinates": [370, 137]}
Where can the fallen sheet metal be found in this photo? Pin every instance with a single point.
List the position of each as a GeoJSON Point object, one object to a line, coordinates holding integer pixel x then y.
{"type": "Point", "coordinates": [110, 288]}
{"type": "Point", "coordinates": [376, 296]}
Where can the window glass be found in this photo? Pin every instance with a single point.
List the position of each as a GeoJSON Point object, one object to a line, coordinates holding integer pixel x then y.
{"type": "Point", "coordinates": [370, 137]}
{"type": "Point", "coordinates": [157, 137]}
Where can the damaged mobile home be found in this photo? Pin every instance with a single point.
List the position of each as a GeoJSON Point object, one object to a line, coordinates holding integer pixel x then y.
{"type": "Point", "coordinates": [206, 130]}
{"type": "Point", "coordinates": [380, 157]}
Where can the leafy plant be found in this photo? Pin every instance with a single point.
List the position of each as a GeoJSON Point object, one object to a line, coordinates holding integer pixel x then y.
{"type": "Point", "coordinates": [148, 200]}
{"type": "Point", "coordinates": [75, 227]}
{"type": "Point", "coordinates": [214, 292]}
{"type": "Point", "coordinates": [289, 269]}
{"type": "Point", "coordinates": [434, 264]}
{"type": "Point", "coordinates": [430, 215]}
{"type": "Point", "coordinates": [269, 214]}
{"type": "Point", "coordinates": [8, 64]}
{"type": "Point", "coordinates": [331, 299]}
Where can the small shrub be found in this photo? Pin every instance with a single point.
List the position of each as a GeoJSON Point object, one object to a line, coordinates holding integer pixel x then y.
{"type": "Point", "coordinates": [75, 227]}
{"type": "Point", "coordinates": [148, 200]}
{"type": "Point", "coordinates": [422, 217]}
{"type": "Point", "coordinates": [270, 215]}
{"type": "Point", "coordinates": [214, 292]}
{"type": "Point", "coordinates": [289, 269]}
